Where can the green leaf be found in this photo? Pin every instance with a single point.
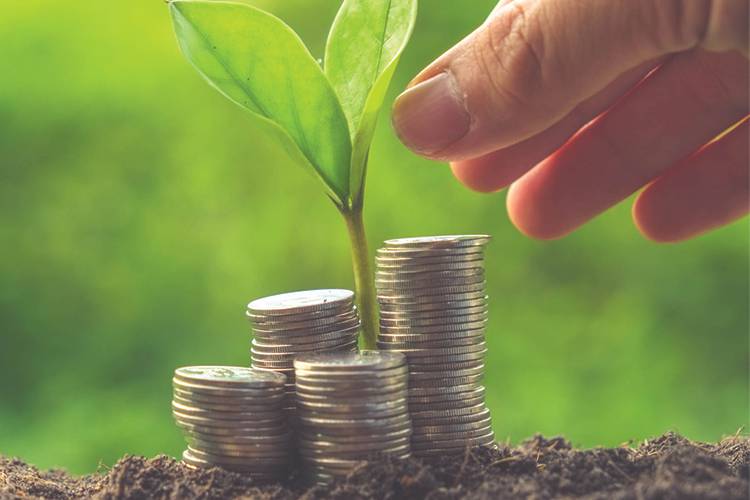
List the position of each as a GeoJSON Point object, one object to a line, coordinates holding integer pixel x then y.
{"type": "Point", "coordinates": [362, 52]}
{"type": "Point", "coordinates": [258, 62]}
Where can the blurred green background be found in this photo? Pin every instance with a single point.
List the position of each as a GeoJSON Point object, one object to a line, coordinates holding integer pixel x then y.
{"type": "Point", "coordinates": [140, 211]}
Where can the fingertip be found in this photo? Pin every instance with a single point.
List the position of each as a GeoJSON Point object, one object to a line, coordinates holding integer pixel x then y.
{"type": "Point", "coordinates": [528, 217]}
{"type": "Point", "coordinates": [651, 220]}
{"type": "Point", "coordinates": [473, 178]}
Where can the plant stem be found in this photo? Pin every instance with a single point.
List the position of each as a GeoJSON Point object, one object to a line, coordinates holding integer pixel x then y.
{"type": "Point", "coordinates": [364, 280]}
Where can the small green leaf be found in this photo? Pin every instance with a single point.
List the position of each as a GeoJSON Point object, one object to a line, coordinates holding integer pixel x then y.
{"type": "Point", "coordinates": [362, 52]}
{"type": "Point", "coordinates": [258, 62]}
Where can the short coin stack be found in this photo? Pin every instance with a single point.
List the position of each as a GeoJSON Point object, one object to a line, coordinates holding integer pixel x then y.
{"type": "Point", "coordinates": [350, 407]}
{"type": "Point", "coordinates": [233, 418]}
{"type": "Point", "coordinates": [433, 307]}
{"type": "Point", "coordinates": [290, 324]}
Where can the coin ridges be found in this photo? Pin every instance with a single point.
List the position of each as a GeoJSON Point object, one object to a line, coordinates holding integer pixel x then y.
{"type": "Point", "coordinates": [432, 295]}
{"type": "Point", "coordinates": [233, 417]}
{"type": "Point", "coordinates": [350, 406]}
{"type": "Point", "coordinates": [288, 325]}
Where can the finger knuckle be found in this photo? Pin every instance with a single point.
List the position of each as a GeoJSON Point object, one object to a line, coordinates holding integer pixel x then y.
{"type": "Point", "coordinates": [726, 25]}
{"type": "Point", "coordinates": [675, 25]}
{"type": "Point", "coordinates": [511, 54]}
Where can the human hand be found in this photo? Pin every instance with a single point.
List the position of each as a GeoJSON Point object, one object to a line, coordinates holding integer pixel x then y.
{"type": "Point", "coordinates": [577, 104]}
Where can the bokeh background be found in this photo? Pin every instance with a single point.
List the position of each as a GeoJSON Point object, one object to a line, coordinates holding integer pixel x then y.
{"type": "Point", "coordinates": [140, 211]}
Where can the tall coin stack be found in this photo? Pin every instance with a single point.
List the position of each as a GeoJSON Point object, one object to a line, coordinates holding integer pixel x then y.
{"type": "Point", "coordinates": [433, 308]}
{"type": "Point", "coordinates": [350, 407]}
{"type": "Point", "coordinates": [233, 418]}
{"type": "Point", "coordinates": [290, 324]}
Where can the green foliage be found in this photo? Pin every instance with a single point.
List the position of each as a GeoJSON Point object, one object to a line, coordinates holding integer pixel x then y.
{"type": "Point", "coordinates": [139, 213]}
{"type": "Point", "coordinates": [364, 46]}
{"type": "Point", "coordinates": [258, 62]}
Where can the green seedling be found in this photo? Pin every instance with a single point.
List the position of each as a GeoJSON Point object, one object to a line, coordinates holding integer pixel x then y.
{"type": "Point", "coordinates": [324, 117]}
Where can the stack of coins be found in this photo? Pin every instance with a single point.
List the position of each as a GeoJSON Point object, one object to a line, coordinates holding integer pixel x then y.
{"type": "Point", "coordinates": [290, 324]}
{"type": "Point", "coordinates": [350, 407]}
{"type": "Point", "coordinates": [233, 418]}
{"type": "Point", "coordinates": [433, 308]}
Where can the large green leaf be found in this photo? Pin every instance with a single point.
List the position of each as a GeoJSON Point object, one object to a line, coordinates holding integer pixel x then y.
{"type": "Point", "coordinates": [258, 62]}
{"type": "Point", "coordinates": [362, 52]}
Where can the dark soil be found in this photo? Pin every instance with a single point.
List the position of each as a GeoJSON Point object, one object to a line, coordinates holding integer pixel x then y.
{"type": "Point", "coordinates": [669, 467]}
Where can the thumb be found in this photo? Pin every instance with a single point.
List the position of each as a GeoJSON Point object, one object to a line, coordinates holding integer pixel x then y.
{"type": "Point", "coordinates": [533, 61]}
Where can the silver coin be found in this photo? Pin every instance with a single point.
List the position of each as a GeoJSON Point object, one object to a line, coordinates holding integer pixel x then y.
{"type": "Point", "coordinates": [416, 407]}
{"type": "Point", "coordinates": [419, 361]}
{"type": "Point", "coordinates": [440, 327]}
{"type": "Point", "coordinates": [334, 463]}
{"type": "Point", "coordinates": [355, 405]}
{"type": "Point", "coordinates": [441, 392]}
{"type": "Point", "coordinates": [429, 264]}
{"type": "Point", "coordinates": [253, 398]}
{"type": "Point", "coordinates": [373, 395]}
{"type": "Point", "coordinates": [446, 241]}
{"type": "Point", "coordinates": [270, 419]}
{"type": "Point", "coordinates": [356, 380]}
{"type": "Point", "coordinates": [408, 287]}
{"type": "Point", "coordinates": [419, 421]}
{"type": "Point", "coordinates": [416, 375]}
{"type": "Point", "coordinates": [267, 343]}
{"type": "Point", "coordinates": [388, 343]}
{"type": "Point", "coordinates": [335, 433]}
{"type": "Point", "coordinates": [281, 428]}
{"type": "Point", "coordinates": [419, 270]}
{"type": "Point", "coordinates": [354, 454]}
{"type": "Point", "coordinates": [467, 427]}
{"type": "Point", "coordinates": [459, 354]}
{"type": "Point", "coordinates": [259, 413]}
{"type": "Point", "coordinates": [259, 462]}
{"type": "Point", "coordinates": [279, 449]}
{"type": "Point", "coordinates": [315, 315]}
{"type": "Point", "coordinates": [272, 471]}
{"type": "Point", "coordinates": [438, 313]}
{"type": "Point", "coordinates": [403, 431]}
{"type": "Point", "coordinates": [258, 345]}
{"type": "Point", "coordinates": [355, 414]}
{"type": "Point", "coordinates": [401, 276]}
{"type": "Point", "coordinates": [281, 363]}
{"type": "Point", "coordinates": [229, 376]}
{"type": "Point", "coordinates": [432, 306]}
{"type": "Point", "coordinates": [412, 290]}
{"type": "Point", "coordinates": [419, 395]}
{"type": "Point", "coordinates": [306, 335]}
{"type": "Point", "coordinates": [334, 449]}
{"type": "Point", "coordinates": [300, 302]}
{"type": "Point", "coordinates": [355, 375]}
{"type": "Point", "coordinates": [422, 298]}
{"type": "Point", "coordinates": [430, 338]}
{"type": "Point", "coordinates": [231, 408]}
{"type": "Point", "coordinates": [456, 320]}
{"type": "Point", "coordinates": [271, 439]}
{"type": "Point", "coordinates": [312, 314]}
{"type": "Point", "coordinates": [419, 255]}
{"type": "Point", "coordinates": [271, 365]}
{"type": "Point", "coordinates": [459, 442]}
{"type": "Point", "coordinates": [218, 391]}
{"type": "Point", "coordinates": [430, 271]}
{"type": "Point", "coordinates": [371, 360]}
{"type": "Point", "coordinates": [331, 423]}
{"type": "Point", "coordinates": [453, 351]}
{"type": "Point", "coordinates": [450, 380]}
{"type": "Point", "coordinates": [300, 323]}
{"type": "Point", "coordinates": [429, 442]}
{"type": "Point", "coordinates": [289, 356]}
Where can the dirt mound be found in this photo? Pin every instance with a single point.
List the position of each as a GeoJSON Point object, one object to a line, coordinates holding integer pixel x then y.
{"type": "Point", "coordinates": [669, 467]}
